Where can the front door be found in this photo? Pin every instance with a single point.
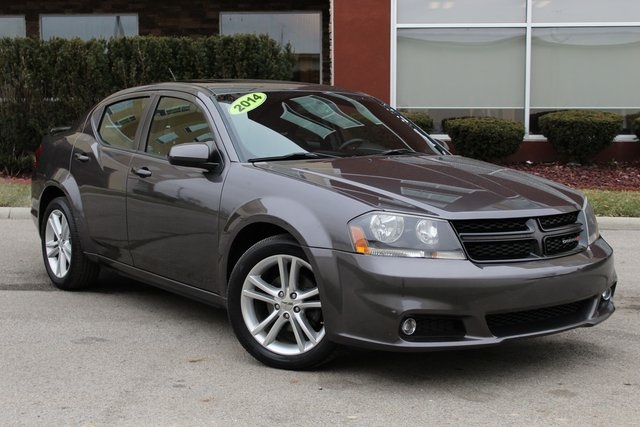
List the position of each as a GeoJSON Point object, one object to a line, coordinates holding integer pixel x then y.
{"type": "Point", "coordinates": [172, 211]}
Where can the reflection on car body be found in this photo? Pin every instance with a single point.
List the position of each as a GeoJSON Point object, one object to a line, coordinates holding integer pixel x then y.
{"type": "Point", "coordinates": [317, 217]}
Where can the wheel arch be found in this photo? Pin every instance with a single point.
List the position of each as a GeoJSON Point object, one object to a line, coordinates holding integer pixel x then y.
{"type": "Point", "coordinates": [71, 193]}
{"type": "Point", "coordinates": [51, 192]}
{"type": "Point", "coordinates": [248, 236]}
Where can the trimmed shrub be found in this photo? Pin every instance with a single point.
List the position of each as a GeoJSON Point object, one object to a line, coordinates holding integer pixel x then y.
{"type": "Point", "coordinates": [578, 135]}
{"type": "Point", "coordinates": [422, 120]}
{"type": "Point", "coordinates": [636, 127]}
{"type": "Point", "coordinates": [443, 122]}
{"type": "Point", "coordinates": [50, 83]}
{"type": "Point", "coordinates": [485, 138]}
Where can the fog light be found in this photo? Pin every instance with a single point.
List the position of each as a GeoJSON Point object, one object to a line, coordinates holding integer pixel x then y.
{"type": "Point", "coordinates": [606, 295]}
{"type": "Point", "coordinates": [409, 326]}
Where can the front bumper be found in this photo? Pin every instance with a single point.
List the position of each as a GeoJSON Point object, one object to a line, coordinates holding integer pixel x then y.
{"type": "Point", "coordinates": [459, 303]}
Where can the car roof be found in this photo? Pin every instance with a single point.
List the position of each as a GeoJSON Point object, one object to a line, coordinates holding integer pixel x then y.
{"type": "Point", "coordinates": [224, 86]}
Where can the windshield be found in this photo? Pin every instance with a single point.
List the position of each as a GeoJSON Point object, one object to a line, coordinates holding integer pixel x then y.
{"type": "Point", "coordinates": [295, 124]}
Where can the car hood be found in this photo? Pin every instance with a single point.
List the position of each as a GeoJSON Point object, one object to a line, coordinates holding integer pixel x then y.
{"type": "Point", "coordinates": [446, 186]}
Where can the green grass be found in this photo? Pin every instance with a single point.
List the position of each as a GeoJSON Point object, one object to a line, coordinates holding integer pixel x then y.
{"type": "Point", "coordinates": [15, 194]}
{"type": "Point", "coordinates": [614, 203]}
{"type": "Point", "coordinates": [604, 202]}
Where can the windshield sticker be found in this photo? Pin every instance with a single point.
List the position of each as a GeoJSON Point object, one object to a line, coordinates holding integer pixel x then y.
{"type": "Point", "coordinates": [248, 102]}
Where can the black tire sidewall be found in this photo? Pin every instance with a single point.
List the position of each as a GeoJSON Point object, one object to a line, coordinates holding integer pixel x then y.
{"type": "Point", "coordinates": [79, 267]}
{"type": "Point", "coordinates": [277, 245]}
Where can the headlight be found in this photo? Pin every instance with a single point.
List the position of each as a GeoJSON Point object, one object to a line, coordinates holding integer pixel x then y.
{"type": "Point", "coordinates": [390, 234]}
{"type": "Point", "coordinates": [591, 222]}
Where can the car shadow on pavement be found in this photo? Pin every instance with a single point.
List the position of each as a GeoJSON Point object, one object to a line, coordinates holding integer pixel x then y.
{"type": "Point", "coordinates": [518, 359]}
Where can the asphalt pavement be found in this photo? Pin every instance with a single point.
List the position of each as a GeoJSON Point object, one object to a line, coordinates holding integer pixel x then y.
{"type": "Point", "coordinates": [131, 355]}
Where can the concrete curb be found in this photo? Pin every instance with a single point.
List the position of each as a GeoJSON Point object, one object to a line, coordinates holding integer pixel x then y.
{"type": "Point", "coordinates": [605, 222]}
{"type": "Point", "coordinates": [618, 223]}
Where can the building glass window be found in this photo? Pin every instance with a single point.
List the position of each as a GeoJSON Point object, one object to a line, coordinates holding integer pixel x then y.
{"type": "Point", "coordinates": [302, 30]}
{"type": "Point", "coordinates": [585, 10]}
{"type": "Point", "coordinates": [88, 27]}
{"type": "Point", "coordinates": [12, 26]}
{"type": "Point", "coordinates": [461, 11]}
{"type": "Point", "coordinates": [571, 68]}
{"type": "Point", "coordinates": [490, 60]}
{"type": "Point", "coordinates": [461, 72]}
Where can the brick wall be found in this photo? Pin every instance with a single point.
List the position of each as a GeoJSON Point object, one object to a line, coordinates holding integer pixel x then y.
{"type": "Point", "coordinates": [169, 17]}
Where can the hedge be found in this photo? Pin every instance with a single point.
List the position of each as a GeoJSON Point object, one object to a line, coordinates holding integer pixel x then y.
{"type": "Point", "coordinates": [44, 84]}
{"type": "Point", "coordinates": [422, 120]}
{"type": "Point", "coordinates": [636, 127]}
{"type": "Point", "coordinates": [578, 135]}
{"type": "Point", "coordinates": [485, 138]}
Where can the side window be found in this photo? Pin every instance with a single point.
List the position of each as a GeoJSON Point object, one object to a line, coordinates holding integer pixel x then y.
{"type": "Point", "coordinates": [120, 122]}
{"type": "Point", "coordinates": [176, 121]}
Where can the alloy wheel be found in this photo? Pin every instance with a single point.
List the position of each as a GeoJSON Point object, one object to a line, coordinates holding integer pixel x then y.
{"type": "Point", "coordinates": [58, 243]}
{"type": "Point", "coordinates": [280, 305]}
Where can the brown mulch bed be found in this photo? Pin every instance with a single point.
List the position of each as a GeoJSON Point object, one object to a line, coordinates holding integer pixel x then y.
{"type": "Point", "coordinates": [24, 180]}
{"type": "Point", "coordinates": [603, 176]}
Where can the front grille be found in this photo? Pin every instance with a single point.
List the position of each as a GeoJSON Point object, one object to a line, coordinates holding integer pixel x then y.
{"type": "Point", "coordinates": [484, 251]}
{"type": "Point", "coordinates": [514, 239]}
{"type": "Point", "coordinates": [560, 244]}
{"type": "Point", "coordinates": [530, 321]}
{"type": "Point", "coordinates": [555, 221]}
{"type": "Point", "coordinates": [492, 225]}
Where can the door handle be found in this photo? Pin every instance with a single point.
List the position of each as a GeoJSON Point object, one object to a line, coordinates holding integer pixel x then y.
{"type": "Point", "coordinates": [81, 157]}
{"type": "Point", "coordinates": [142, 172]}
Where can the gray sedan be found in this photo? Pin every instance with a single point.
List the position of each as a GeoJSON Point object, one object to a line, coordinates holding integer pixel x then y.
{"type": "Point", "coordinates": [317, 217]}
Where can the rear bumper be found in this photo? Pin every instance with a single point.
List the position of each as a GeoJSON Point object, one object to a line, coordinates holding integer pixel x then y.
{"type": "Point", "coordinates": [459, 303]}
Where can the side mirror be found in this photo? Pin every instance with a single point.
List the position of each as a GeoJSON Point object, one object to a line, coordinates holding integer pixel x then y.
{"type": "Point", "coordinates": [194, 155]}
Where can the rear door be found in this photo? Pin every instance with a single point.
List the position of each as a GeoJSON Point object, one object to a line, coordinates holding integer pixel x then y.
{"type": "Point", "coordinates": [172, 211]}
{"type": "Point", "coordinates": [100, 164]}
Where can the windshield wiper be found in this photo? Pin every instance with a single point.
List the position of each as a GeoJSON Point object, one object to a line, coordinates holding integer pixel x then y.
{"type": "Point", "coordinates": [291, 156]}
{"type": "Point", "coordinates": [396, 151]}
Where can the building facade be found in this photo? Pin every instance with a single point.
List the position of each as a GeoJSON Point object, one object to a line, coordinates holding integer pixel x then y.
{"type": "Point", "coordinates": [513, 59]}
{"type": "Point", "coordinates": [304, 24]}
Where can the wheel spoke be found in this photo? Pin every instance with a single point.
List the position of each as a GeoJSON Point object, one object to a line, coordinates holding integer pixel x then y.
{"type": "Point", "coordinates": [303, 322]}
{"type": "Point", "coordinates": [310, 304]}
{"type": "Point", "coordinates": [56, 227]}
{"type": "Point", "coordinates": [274, 331]}
{"type": "Point", "coordinates": [297, 333]}
{"type": "Point", "coordinates": [308, 294]}
{"type": "Point", "coordinates": [258, 296]}
{"type": "Point", "coordinates": [64, 229]}
{"type": "Point", "coordinates": [262, 285]}
{"type": "Point", "coordinates": [52, 248]}
{"type": "Point", "coordinates": [66, 248]}
{"type": "Point", "coordinates": [266, 322]}
{"type": "Point", "coordinates": [284, 274]}
{"type": "Point", "coordinates": [61, 265]}
{"type": "Point", "coordinates": [294, 273]}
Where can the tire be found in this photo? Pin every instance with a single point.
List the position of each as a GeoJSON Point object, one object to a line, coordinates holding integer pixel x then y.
{"type": "Point", "coordinates": [281, 325]}
{"type": "Point", "coordinates": [65, 262]}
